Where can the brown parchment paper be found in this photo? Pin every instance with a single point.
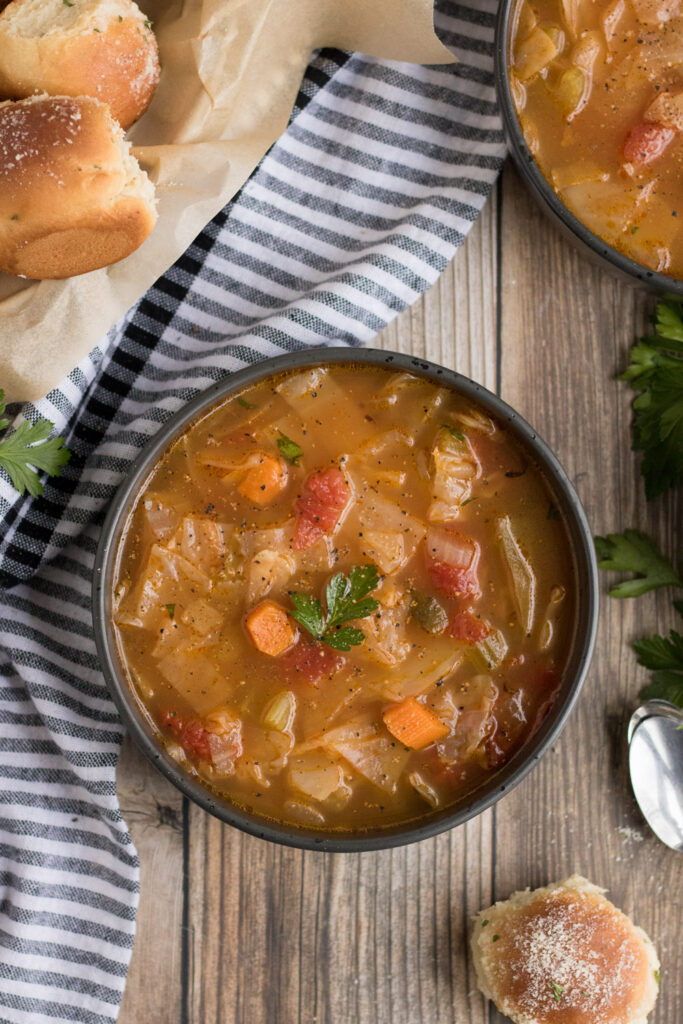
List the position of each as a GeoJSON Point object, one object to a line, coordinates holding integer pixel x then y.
{"type": "Point", "coordinates": [230, 74]}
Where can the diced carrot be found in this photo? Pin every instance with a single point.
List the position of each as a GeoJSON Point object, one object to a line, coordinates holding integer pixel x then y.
{"type": "Point", "coordinates": [413, 724]}
{"type": "Point", "coordinates": [263, 482]}
{"type": "Point", "coordinates": [271, 629]}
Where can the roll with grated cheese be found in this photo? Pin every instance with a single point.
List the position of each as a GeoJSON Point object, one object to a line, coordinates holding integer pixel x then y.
{"type": "Point", "coordinates": [565, 955]}
{"type": "Point", "coordinates": [72, 196]}
{"type": "Point", "coordinates": [100, 48]}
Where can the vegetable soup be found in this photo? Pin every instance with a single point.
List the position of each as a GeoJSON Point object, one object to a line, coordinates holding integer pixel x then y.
{"type": "Point", "coordinates": [344, 597]}
{"type": "Point", "coordinates": [598, 89]}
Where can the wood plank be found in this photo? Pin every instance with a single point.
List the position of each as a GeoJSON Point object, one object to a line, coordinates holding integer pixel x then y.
{"type": "Point", "coordinates": [283, 936]}
{"type": "Point", "coordinates": [566, 330]}
{"type": "Point", "coordinates": [152, 807]}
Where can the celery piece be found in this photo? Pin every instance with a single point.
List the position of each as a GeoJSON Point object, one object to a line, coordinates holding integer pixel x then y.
{"type": "Point", "coordinates": [279, 714]}
{"type": "Point", "coordinates": [489, 652]}
{"type": "Point", "coordinates": [522, 576]}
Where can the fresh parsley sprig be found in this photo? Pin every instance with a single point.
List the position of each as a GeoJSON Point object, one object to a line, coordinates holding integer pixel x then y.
{"type": "Point", "coordinates": [655, 373]}
{"type": "Point", "coordinates": [633, 551]}
{"type": "Point", "coordinates": [346, 598]}
{"type": "Point", "coordinates": [29, 449]}
{"type": "Point", "coordinates": [663, 656]}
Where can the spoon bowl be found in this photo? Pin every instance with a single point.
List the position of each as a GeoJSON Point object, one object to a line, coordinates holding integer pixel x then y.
{"type": "Point", "coordinates": [656, 768]}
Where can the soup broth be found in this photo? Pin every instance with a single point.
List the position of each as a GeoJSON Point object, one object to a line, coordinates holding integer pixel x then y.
{"type": "Point", "coordinates": [598, 90]}
{"type": "Point", "coordinates": [344, 597]}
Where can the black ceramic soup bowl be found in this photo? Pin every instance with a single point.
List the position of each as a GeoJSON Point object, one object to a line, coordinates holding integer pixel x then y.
{"type": "Point", "coordinates": [594, 248]}
{"type": "Point", "coordinates": [503, 779]}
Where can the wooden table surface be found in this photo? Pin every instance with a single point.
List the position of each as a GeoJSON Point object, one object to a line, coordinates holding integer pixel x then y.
{"type": "Point", "coordinates": [233, 930]}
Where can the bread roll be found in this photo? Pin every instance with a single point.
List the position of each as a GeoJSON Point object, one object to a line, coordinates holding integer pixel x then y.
{"type": "Point", "coordinates": [72, 196]}
{"type": "Point", "coordinates": [565, 955]}
{"type": "Point", "coordinates": [100, 48]}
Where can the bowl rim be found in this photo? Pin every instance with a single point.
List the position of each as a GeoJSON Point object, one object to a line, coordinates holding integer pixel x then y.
{"type": "Point", "coordinates": [512, 773]}
{"type": "Point", "coordinates": [539, 185]}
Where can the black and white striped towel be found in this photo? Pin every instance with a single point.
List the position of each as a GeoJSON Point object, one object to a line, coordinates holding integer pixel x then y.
{"type": "Point", "coordinates": [350, 216]}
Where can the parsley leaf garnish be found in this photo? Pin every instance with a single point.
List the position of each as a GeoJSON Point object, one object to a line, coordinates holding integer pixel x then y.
{"type": "Point", "coordinates": [656, 374]}
{"type": "Point", "coordinates": [170, 608]}
{"type": "Point", "coordinates": [289, 449]}
{"type": "Point", "coordinates": [558, 991]}
{"type": "Point", "coordinates": [633, 551]}
{"type": "Point", "coordinates": [27, 450]}
{"type": "Point", "coordinates": [664, 657]}
{"type": "Point", "coordinates": [244, 403]}
{"type": "Point", "coordinates": [346, 598]}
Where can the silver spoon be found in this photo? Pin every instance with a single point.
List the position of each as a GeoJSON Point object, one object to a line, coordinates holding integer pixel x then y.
{"type": "Point", "coordinates": [655, 735]}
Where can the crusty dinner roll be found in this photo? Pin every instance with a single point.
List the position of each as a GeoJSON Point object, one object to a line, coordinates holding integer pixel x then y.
{"type": "Point", "coordinates": [565, 955]}
{"type": "Point", "coordinates": [100, 48]}
{"type": "Point", "coordinates": [72, 196]}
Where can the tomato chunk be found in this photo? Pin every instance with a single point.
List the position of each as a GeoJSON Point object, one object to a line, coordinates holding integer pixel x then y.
{"type": "Point", "coordinates": [192, 735]}
{"type": "Point", "coordinates": [452, 560]}
{"type": "Point", "coordinates": [312, 662]}
{"type": "Point", "coordinates": [324, 497]}
{"type": "Point", "coordinates": [646, 142]}
{"type": "Point", "coordinates": [217, 740]}
{"type": "Point", "coordinates": [466, 626]}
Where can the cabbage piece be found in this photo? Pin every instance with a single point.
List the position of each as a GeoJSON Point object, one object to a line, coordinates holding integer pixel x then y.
{"type": "Point", "coordinates": [316, 776]}
{"type": "Point", "coordinates": [474, 725]}
{"type": "Point", "coordinates": [667, 109]}
{"type": "Point", "coordinates": [264, 752]}
{"type": "Point", "coordinates": [522, 576]}
{"type": "Point", "coordinates": [385, 640]}
{"type": "Point", "coordinates": [546, 630]}
{"type": "Point", "coordinates": [431, 664]}
{"type": "Point", "coordinates": [303, 391]}
{"type": "Point", "coordinates": [195, 676]}
{"type": "Point", "coordinates": [610, 21]}
{"type": "Point", "coordinates": [454, 467]}
{"type": "Point", "coordinates": [577, 173]}
{"type": "Point", "coordinates": [272, 538]}
{"type": "Point", "coordinates": [306, 813]}
{"type": "Point", "coordinates": [389, 394]}
{"type": "Point", "coordinates": [201, 540]}
{"type": "Point", "coordinates": [378, 513]}
{"type": "Point", "coordinates": [533, 54]}
{"type": "Point", "coordinates": [387, 439]}
{"type": "Point", "coordinates": [587, 51]}
{"type": "Point", "coordinates": [225, 740]}
{"type": "Point", "coordinates": [168, 578]}
{"type": "Point", "coordinates": [162, 519]}
{"type": "Point", "coordinates": [299, 385]}
{"type": "Point", "coordinates": [654, 12]}
{"type": "Point", "coordinates": [370, 750]}
{"type": "Point", "coordinates": [524, 20]}
{"type": "Point", "coordinates": [426, 790]}
{"type": "Point", "coordinates": [471, 419]}
{"type": "Point", "coordinates": [201, 617]}
{"type": "Point", "coordinates": [385, 548]}
{"type": "Point", "coordinates": [268, 570]}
